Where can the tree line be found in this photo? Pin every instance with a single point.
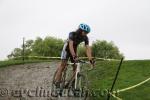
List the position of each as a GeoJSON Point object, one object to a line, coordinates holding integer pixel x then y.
{"type": "Point", "coordinates": [52, 47]}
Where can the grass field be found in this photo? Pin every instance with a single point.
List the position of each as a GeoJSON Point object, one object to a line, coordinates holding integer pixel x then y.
{"type": "Point", "coordinates": [131, 73]}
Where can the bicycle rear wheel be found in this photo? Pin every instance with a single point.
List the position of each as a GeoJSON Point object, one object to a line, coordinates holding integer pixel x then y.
{"type": "Point", "coordinates": [53, 87]}
{"type": "Point", "coordinates": [55, 91]}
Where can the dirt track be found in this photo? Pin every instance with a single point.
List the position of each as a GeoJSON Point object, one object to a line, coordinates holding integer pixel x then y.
{"type": "Point", "coordinates": [28, 82]}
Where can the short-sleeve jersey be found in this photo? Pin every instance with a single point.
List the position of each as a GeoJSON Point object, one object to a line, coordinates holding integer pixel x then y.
{"type": "Point", "coordinates": [77, 38]}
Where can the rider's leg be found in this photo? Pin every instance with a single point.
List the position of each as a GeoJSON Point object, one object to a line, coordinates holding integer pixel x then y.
{"type": "Point", "coordinates": [72, 79]}
{"type": "Point", "coordinates": [74, 68]}
{"type": "Point", "coordinates": [74, 71]}
{"type": "Point", "coordinates": [61, 67]}
{"type": "Point", "coordinates": [59, 71]}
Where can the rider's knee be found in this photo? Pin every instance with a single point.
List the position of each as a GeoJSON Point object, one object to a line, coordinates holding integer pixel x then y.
{"type": "Point", "coordinates": [62, 65]}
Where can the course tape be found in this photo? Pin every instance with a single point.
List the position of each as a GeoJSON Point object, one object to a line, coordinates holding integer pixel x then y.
{"type": "Point", "coordinates": [60, 58]}
{"type": "Point", "coordinates": [128, 88]}
{"type": "Point", "coordinates": [37, 57]}
{"type": "Point", "coordinates": [115, 96]}
{"type": "Point", "coordinates": [131, 87]}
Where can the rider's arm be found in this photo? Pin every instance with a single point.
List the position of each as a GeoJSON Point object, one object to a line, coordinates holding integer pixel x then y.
{"type": "Point", "coordinates": [88, 52]}
{"type": "Point", "coordinates": [71, 48]}
{"type": "Point", "coordinates": [88, 49]}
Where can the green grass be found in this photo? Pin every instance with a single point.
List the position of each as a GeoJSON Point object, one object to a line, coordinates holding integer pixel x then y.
{"type": "Point", "coordinates": [131, 73]}
{"type": "Point", "coordinates": [18, 62]}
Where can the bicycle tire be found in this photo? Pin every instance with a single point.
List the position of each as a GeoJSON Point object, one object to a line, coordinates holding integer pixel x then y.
{"type": "Point", "coordinates": [62, 84]}
{"type": "Point", "coordinates": [53, 85]}
{"type": "Point", "coordinates": [82, 86]}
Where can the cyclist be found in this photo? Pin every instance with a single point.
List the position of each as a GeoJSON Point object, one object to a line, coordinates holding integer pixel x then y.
{"type": "Point", "coordinates": [70, 50]}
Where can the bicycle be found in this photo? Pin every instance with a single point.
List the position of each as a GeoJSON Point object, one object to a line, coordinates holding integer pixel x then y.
{"type": "Point", "coordinates": [79, 85]}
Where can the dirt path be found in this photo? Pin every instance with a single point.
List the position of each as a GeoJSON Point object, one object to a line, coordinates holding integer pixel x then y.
{"type": "Point", "coordinates": [28, 82]}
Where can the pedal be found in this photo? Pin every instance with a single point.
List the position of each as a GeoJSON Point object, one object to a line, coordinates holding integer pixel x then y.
{"type": "Point", "coordinates": [77, 93]}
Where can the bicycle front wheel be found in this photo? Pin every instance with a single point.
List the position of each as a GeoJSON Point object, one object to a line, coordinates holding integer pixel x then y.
{"type": "Point", "coordinates": [81, 86]}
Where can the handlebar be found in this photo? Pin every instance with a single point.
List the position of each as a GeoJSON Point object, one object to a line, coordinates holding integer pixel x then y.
{"type": "Point", "coordinates": [82, 61]}
{"type": "Point", "coordinates": [79, 61]}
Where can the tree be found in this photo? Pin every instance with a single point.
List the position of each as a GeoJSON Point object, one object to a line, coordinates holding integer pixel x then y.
{"type": "Point", "coordinates": [81, 50]}
{"type": "Point", "coordinates": [50, 46]}
{"type": "Point", "coordinates": [104, 49]}
{"type": "Point", "coordinates": [15, 53]}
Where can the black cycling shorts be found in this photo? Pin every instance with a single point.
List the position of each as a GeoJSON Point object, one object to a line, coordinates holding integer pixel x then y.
{"type": "Point", "coordinates": [65, 54]}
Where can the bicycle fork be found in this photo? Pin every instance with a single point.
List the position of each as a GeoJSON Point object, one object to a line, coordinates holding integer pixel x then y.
{"type": "Point", "coordinates": [76, 75]}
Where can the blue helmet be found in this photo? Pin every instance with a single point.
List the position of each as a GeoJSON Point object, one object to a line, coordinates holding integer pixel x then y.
{"type": "Point", "coordinates": [85, 27]}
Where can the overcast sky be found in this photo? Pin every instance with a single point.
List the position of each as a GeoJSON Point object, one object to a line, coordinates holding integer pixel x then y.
{"type": "Point", "coordinates": [126, 22]}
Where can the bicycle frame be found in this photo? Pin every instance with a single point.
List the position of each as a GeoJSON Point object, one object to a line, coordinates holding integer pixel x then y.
{"type": "Point", "coordinates": [78, 69]}
{"type": "Point", "coordinates": [77, 83]}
